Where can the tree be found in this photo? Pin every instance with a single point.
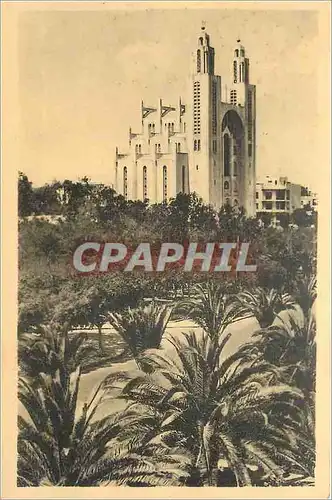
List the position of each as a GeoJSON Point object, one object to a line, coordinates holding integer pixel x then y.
{"type": "Point", "coordinates": [264, 305]}
{"type": "Point", "coordinates": [209, 306]}
{"type": "Point", "coordinates": [25, 195]}
{"type": "Point", "coordinates": [143, 327]}
{"type": "Point", "coordinates": [58, 448]}
{"type": "Point", "coordinates": [231, 410]}
{"type": "Point", "coordinates": [50, 350]}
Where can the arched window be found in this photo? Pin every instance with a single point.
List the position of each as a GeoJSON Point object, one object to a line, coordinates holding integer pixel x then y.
{"type": "Point", "coordinates": [159, 148]}
{"type": "Point", "coordinates": [183, 179]}
{"type": "Point", "coordinates": [145, 183]}
{"type": "Point", "coordinates": [195, 145]}
{"type": "Point", "coordinates": [172, 128]}
{"type": "Point", "coordinates": [125, 182]}
{"type": "Point", "coordinates": [164, 183]}
{"type": "Point", "coordinates": [201, 40]}
{"type": "Point", "coordinates": [139, 148]}
{"type": "Point", "coordinates": [198, 61]}
{"type": "Point", "coordinates": [226, 185]}
{"type": "Point", "coordinates": [226, 155]}
{"type": "Point", "coordinates": [236, 53]}
{"type": "Point", "coordinates": [153, 128]}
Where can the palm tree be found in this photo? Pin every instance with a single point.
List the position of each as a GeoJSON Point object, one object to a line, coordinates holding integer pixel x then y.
{"type": "Point", "coordinates": [142, 327]}
{"type": "Point", "coordinates": [218, 410]}
{"type": "Point", "coordinates": [209, 307]}
{"type": "Point", "coordinates": [55, 447]}
{"type": "Point", "coordinates": [264, 305]}
{"type": "Point", "coordinates": [306, 293]}
{"type": "Point", "coordinates": [291, 348]}
{"type": "Point", "coordinates": [51, 349]}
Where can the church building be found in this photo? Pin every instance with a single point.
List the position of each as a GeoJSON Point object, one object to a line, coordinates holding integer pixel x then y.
{"type": "Point", "coordinates": [204, 144]}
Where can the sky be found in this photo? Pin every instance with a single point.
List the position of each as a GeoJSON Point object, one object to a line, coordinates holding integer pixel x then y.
{"type": "Point", "coordinates": [83, 74]}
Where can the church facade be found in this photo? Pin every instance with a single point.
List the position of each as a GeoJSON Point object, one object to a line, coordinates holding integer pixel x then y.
{"type": "Point", "coordinates": [206, 144]}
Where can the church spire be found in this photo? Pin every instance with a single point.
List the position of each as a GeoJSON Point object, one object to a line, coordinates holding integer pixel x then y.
{"type": "Point", "coordinates": [204, 53]}
{"type": "Point", "coordinates": [240, 64]}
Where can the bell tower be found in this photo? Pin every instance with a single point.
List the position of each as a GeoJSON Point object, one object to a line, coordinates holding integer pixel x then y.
{"type": "Point", "coordinates": [205, 97]}
{"type": "Point", "coordinates": [243, 100]}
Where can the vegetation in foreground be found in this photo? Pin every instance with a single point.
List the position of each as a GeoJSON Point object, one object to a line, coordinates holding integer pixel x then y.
{"type": "Point", "coordinates": [193, 415]}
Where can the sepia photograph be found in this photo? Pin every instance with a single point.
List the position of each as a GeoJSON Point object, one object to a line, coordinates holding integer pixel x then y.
{"type": "Point", "coordinates": [166, 257]}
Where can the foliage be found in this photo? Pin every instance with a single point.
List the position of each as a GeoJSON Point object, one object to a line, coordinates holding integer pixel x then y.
{"type": "Point", "coordinates": [50, 350]}
{"type": "Point", "coordinates": [235, 410]}
{"type": "Point", "coordinates": [264, 305]}
{"type": "Point", "coordinates": [209, 306]}
{"type": "Point", "coordinates": [143, 327]}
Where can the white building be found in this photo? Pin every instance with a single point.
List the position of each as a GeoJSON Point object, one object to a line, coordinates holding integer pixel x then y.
{"type": "Point", "coordinates": [206, 143]}
{"type": "Point", "coordinates": [277, 196]}
{"type": "Point", "coordinates": [309, 199]}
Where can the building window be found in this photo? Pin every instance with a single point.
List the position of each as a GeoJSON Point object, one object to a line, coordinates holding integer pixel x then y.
{"type": "Point", "coordinates": [198, 61]}
{"type": "Point", "coordinates": [201, 40]}
{"type": "Point", "coordinates": [249, 149]}
{"type": "Point", "coordinates": [195, 145]}
{"type": "Point", "coordinates": [226, 185]}
{"type": "Point", "coordinates": [256, 206]}
{"type": "Point", "coordinates": [153, 128]}
{"type": "Point", "coordinates": [268, 195]}
{"type": "Point", "coordinates": [233, 97]}
{"type": "Point", "coordinates": [280, 205]}
{"type": "Point", "coordinates": [125, 182]}
{"type": "Point", "coordinates": [235, 72]}
{"type": "Point", "coordinates": [236, 202]}
{"type": "Point", "coordinates": [267, 205]}
{"type": "Point", "coordinates": [214, 146]}
{"type": "Point", "coordinates": [288, 194]}
{"type": "Point", "coordinates": [236, 53]}
{"type": "Point", "coordinates": [184, 127]}
{"type": "Point", "coordinates": [257, 195]}
{"type": "Point", "coordinates": [234, 186]}
{"type": "Point", "coordinates": [214, 108]}
{"type": "Point", "coordinates": [198, 145]}
{"type": "Point", "coordinates": [159, 148]}
{"type": "Point", "coordinates": [242, 53]}
{"type": "Point", "coordinates": [226, 156]}
{"type": "Point", "coordinates": [183, 179]}
{"type": "Point", "coordinates": [196, 167]}
{"type": "Point", "coordinates": [235, 168]}
{"type": "Point", "coordinates": [145, 183]}
{"type": "Point", "coordinates": [197, 108]}
{"type": "Point", "coordinates": [242, 72]}
{"type": "Point", "coordinates": [280, 194]}
{"type": "Point", "coordinates": [250, 116]}
{"type": "Point", "coordinates": [164, 183]}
